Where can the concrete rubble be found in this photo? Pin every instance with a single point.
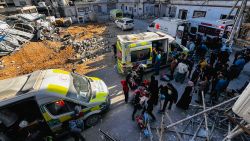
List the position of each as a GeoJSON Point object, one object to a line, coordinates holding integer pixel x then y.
{"type": "Point", "coordinates": [11, 39]}
{"type": "Point", "coordinates": [59, 47]}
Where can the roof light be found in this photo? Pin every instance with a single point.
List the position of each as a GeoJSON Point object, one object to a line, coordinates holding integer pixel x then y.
{"type": "Point", "coordinates": [157, 26]}
{"type": "Point", "coordinates": [221, 26]}
{"type": "Point", "coordinates": [60, 103]}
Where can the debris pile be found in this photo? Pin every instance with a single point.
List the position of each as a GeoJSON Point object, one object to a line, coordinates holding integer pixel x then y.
{"type": "Point", "coordinates": [76, 45]}
{"type": "Point", "coordinates": [12, 39]}
{"type": "Point", "coordinates": [206, 122]}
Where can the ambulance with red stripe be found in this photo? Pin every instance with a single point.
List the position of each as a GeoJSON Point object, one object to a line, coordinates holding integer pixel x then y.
{"type": "Point", "coordinates": [213, 28]}
{"type": "Point", "coordinates": [50, 97]}
{"type": "Point", "coordinates": [171, 26]}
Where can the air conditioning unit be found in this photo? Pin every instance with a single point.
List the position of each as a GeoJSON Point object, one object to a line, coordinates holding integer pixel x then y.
{"type": "Point", "coordinates": [242, 105]}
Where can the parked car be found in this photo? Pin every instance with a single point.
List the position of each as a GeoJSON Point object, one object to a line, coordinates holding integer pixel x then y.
{"type": "Point", "coordinates": [46, 100]}
{"type": "Point", "coordinates": [125, 23]}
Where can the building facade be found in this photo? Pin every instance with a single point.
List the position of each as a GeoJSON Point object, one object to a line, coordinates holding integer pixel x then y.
{"type": "Point", "coordinates": [212, 9]}
{"type": "Point", "coordinates": [138, 7]}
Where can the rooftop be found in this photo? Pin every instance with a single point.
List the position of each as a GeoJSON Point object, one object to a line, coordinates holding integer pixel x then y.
{"type": "Point", "coordinates": [144, 36]}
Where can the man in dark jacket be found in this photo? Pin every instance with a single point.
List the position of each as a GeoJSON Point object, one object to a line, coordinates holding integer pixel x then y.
{"type": "Point", "coordinates": [137, 105]}
{"type": "Point", "coordinates": [150, 107]}
{"type": "Point", "coordinates": [171, 95]}
{"type": "Point", "coordinates": [154, 90]}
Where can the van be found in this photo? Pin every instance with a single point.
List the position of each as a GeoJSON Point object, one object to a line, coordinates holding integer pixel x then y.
{"type": "Point", "coordinates": [136, 49]}
{"type": "Point", "coordinates": [116, 14]}
{"type": "Point", "coordinates": [47, 99]}
{"type": "Point", "coordinates": [171, 26]}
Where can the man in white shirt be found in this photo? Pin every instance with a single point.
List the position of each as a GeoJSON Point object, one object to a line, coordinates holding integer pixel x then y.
{"type": "Point", "coordinates": [182, 70]}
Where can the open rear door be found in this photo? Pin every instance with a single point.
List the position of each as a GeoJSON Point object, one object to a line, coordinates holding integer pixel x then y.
{"type": "Point", "coordinates": [179, 34]}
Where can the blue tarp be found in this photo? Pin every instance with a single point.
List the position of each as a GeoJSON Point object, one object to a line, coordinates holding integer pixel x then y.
{"type": "Point", "coordinates": [2, 38]}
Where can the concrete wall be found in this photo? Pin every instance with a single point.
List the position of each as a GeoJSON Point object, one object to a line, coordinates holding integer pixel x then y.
{"type": "Point", "coordinates": [131, 8]}
{"type": "Point", "coordinates": [218, 3]}
{"type": "Point", "coordinates": [149, 9]}
{"type": "Point", "coordinates": [213, 13]}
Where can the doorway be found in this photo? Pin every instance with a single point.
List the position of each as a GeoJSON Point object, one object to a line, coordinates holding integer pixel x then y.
{"type": "Point", "coordinates": [182, 14]}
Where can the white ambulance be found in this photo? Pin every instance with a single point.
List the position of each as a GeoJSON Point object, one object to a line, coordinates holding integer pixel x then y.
{"type": "Point", "coordinates": [171, 26]}
{"type": "Point", "coordinates": [220, 28]}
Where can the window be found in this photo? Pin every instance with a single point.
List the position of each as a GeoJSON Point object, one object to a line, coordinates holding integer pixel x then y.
{"type": "Point", "coordinates": [126, 8]}
{"type": "Point", "coordinates": [182, 14]}
{"type": "Point", "coordinates": [22, 3]}
{"type": "Point", "coordinates": [130, 21]}
{"type": "Point", "coordinates": [209, 30]}
{"type": "Point", "coordinates": [198, 14]}
{"type": "Point", "coordinates": [83, 9]}
{"type": "Point", "coordinates": [223, 16]}
{"type": "Point", "coordinates": [140, 55]}
{"type": "Point", "coordinates": [130, 8]}
{"type": "Point", "coordinates": [152, 24]}
{"type": "Point", "coordinates": [60, 107]}
{"type": "Point", "coordinates": [134, 10]}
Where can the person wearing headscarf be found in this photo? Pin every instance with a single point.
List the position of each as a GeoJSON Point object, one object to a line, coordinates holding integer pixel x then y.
{"type": "Point", "coordinates": [154, 90]}
{"type": "Point", "coordinates": [171, 96]}
{"type": "Point", "coordinates": [186, 97]}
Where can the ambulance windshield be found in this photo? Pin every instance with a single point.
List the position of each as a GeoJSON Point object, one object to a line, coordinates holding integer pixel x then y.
{"type": "Point", "coordinates": [82, 87]}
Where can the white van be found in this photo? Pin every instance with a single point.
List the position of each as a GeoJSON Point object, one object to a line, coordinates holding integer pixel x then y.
{"type": "Point", "coordinates": [171, 26]}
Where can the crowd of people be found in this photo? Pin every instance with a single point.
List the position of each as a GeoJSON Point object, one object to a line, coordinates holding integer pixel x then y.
{"type": "Point", "coordinates": [206, 69]}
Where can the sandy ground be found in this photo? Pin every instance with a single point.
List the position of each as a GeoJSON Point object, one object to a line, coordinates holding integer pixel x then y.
{"type": "Point", "coordinates": [44, 55]}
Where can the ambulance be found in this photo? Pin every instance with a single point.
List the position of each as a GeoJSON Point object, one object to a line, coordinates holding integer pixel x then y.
{"type": "Point", "coordinates": [172, 26]}
{"type": "Point", "coordinates": [219, 28]}
{"type": "Point", "coordinates": [49, 98]}
{"type": "Point", "coordinates": [136, 49]}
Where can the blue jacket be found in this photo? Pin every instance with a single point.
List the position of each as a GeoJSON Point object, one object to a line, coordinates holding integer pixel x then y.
{"type": "Point", "coordinates": [221, 84]}
{"type": "Point", "coordinates": [240, 63]}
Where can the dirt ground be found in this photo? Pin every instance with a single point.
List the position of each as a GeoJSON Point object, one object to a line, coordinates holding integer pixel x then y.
{"type": "Point", "coordinates": [84, 32]}
{"type": "Point", "coordinates": [44, 55]}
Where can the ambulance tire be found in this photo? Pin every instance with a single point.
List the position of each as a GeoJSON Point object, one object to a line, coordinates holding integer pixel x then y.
{"type": "Point", "coordinates": [3, 137]}
{"type": "Point", "coordinates": [92, 120]}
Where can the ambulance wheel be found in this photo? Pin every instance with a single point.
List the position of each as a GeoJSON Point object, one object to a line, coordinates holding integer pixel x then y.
{"type": "Point", "coordinates": [92, 120]}
{"type": "Point", "coordinates": [3, 137]}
